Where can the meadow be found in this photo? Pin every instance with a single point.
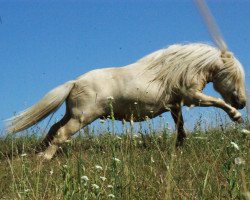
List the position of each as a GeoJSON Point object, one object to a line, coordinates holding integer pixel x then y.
{"type": "Point", "coordinates": [134, 164]}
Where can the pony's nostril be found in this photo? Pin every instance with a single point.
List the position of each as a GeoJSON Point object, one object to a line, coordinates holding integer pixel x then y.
{"type": "Point", "coordinates": [242, 105]}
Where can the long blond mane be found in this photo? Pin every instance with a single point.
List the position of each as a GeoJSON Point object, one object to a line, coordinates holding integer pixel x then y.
{"type": "Point", "coordinates": [181, 64]}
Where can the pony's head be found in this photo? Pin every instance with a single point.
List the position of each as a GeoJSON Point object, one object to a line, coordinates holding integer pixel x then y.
{"type": "Point", "coordinates": [229, 81]}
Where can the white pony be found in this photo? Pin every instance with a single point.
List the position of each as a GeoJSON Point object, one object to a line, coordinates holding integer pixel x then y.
{"type": "Point", "coordinates": [162, 81]}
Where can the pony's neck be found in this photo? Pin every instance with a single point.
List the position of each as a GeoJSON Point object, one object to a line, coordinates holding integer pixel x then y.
{"type": "Point", "coordinates": [209, 75]}
{"type": "Point", "coordinates": [213, 71]}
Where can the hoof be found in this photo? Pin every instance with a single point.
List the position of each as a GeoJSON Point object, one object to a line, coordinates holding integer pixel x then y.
{"type": "Point", "coordinates": [236, 117]}
{"type": "Point", "coordinates": [181, 136]}
{"type": "Point", "coordinates": [179, 142]}
{"type": "Point", "coordinates": [48, 153]}
{"type": "Point", "coordinates": [44, 157]}
{"type": "Point", "coordinates": [239, 120]}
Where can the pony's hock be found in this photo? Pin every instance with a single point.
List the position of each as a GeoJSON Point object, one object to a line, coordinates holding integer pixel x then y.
{"type": "Point", "coordinates": [162, 81]}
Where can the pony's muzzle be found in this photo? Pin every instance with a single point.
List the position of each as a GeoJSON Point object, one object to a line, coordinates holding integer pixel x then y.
{"type": "Point", "coordinates": [236, 103]}
{"type": "Point", "coordinates": [242, 105]}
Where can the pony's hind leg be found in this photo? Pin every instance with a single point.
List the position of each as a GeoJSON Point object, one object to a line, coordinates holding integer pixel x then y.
{"type": "Point", "coordinates": [52, 132]}
{"type": "Point", "coordinates": [61, 134]}
{"type": "Point", "coordinates": [179, 123]}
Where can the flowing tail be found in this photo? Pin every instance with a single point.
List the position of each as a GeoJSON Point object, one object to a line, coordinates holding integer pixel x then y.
{"type": "Point", "coordinates": [48, 104]}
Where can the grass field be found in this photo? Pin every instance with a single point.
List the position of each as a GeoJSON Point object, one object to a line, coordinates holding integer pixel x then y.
{"type": "Point", "coordinates": [213, 164]}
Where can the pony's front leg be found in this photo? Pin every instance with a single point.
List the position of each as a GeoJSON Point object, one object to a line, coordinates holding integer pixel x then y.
{"type": "Point", "coordinates": [199, 99]}
{"type": "Point", "coordinates": [179, 123]}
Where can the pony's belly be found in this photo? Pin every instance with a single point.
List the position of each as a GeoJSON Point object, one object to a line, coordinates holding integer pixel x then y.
{"type": "Point", "coordinates": [136, 112]}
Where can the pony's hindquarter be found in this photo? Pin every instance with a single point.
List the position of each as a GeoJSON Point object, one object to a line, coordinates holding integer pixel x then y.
{"type": "Point", "coordinates": [48, 104]}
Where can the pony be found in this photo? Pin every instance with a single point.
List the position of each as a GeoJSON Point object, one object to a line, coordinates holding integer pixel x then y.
{"type": "Point", "coordinates": [162, 81]}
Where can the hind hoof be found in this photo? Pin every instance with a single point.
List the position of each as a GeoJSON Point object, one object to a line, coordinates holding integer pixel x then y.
{"type": "Point", "coordinates": [44, 157]}
{"type": "Point", "coordinates": [179, 143]}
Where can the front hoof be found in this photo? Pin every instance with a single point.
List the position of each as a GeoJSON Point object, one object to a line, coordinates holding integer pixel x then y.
{"type": "Point", "coordinates": [236, 116]}
{"type": "Point", "coordinates": [239, 120]}
{"type": "Point", "coordinates": [44, 157]}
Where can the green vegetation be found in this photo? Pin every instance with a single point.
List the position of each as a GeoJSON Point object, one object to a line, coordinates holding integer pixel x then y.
{"type": "Point", "coordinates": [212, 164]}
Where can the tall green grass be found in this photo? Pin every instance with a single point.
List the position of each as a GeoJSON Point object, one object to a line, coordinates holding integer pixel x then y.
{"type": "Point", "coordinates": [212, 164]}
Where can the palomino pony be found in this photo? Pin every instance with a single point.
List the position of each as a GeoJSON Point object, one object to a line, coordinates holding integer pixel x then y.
{"type": "Point", "coordinates": [162, 81]}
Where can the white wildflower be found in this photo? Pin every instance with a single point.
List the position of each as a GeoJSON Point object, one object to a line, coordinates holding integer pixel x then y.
{"type": "Point", "coordinates": [110, 186]}
{"type": "Point", "coordinates": [51, 172]}
{"type": "Point", "coordinates": [111, 195]}
{"type": "Point", "coordinates": [102, 121]}
{"type": "Point", "coordinates": [23, 155]}
{"type": "Point", "coordinates": [239, 161]}
{"type": "Point", "coordinates": [135, 103]}
{"type": "Point", "coordinates": [110, 98]}
{"type": "Point", "coordinates": [235, 145]}
{"type": "Point", "coordinates": [103, 178]}
{"type": "Point", "coordinates": [94, 186]}
{"type": "Point", "coordinates": [116, 160]}
{"type": "Point", "coordinates": [85, 178]}
{"type": "Point", "coordinates": [98, 167]}
{"type": "Point", "coordinates": [135, 136]}
{"type": "Point", "coordinates": [118, 137]}
{"type": "Point", "coordinates": [245, 131]}
{"type": "Point", "coordinates": [201, 138]}
{"type": "Point", "coordinates": [65, 166]}
{"type": "Point", "coordinates": [151, 111]}
{"type": "Point", "coordinates": [152, 159]}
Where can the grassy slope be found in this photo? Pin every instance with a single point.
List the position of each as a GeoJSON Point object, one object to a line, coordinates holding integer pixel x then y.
{"type": "Point", "coordinates": [149, 167]}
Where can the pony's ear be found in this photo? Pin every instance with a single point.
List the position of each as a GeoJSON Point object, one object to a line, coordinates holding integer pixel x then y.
{"type": "Point", "coordinates": [226, 55]}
